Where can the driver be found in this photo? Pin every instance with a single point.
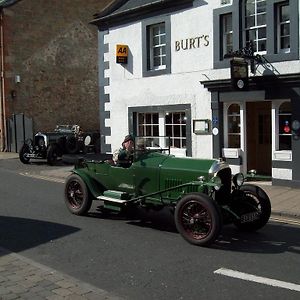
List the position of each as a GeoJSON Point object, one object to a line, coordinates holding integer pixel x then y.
{"type": "Point", "coordinates": [124, 156]}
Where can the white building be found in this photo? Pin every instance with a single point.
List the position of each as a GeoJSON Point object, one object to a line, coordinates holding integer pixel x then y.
{"type": "Point", "coordinates": [176, 81]}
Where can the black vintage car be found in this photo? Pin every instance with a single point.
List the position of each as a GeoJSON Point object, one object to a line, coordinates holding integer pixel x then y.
{"type": "Point", "coordinates": [65, 139]}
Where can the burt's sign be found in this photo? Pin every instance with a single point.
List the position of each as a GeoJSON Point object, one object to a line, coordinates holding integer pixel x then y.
{"type": "Point", "coordinates": [121, 54]}
{"type": "Point", "coordinates": [192, 43]}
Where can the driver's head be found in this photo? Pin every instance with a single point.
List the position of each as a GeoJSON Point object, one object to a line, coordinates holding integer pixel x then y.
{"type": "Point", "coordinates": [128, 142]}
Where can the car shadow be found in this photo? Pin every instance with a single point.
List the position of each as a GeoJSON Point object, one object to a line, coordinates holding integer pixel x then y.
{"type": "Point", "coordinates": [18, 234]}
{"type": "Point", "coordinates": [273, 238]}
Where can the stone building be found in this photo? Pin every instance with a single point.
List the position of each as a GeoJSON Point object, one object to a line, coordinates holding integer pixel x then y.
{"type": "Point", "coordinates": [49, 63]}
{"type": "Point", "coordinates": [220, 77]}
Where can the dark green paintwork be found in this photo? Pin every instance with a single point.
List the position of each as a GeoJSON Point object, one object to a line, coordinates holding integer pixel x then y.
{"type": "Point", "coordinates": [157, 178]}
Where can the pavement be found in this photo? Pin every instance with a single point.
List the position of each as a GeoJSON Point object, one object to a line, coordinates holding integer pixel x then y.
{"type": "Point", "coordinates": [22, 278]}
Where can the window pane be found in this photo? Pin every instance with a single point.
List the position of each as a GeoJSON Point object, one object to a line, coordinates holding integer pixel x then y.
{"type": "Point", "coordinates": [155, 130]}
{"type": "Point", "coordinates": [177, 131]}
{"type": "Point", "coordinates": [233, 141]}
{"type": "Point", "coordinates": [285, 29]}
{"type": "Point", "coordinates": [169, 130]}
{"type": "Point", "coordinates": [262, 45]}
{"type": "Point", "coordinates": [250, 22]}
{"type": "Point", "coordinates": [285, 142]}
{"type": "Point", "coordinates": [155, 118]}
{"type": "Point", "coordinates": [148, 131]}
{"type": "Point", "coordinates": [261, 20]}
{"type": "Point", "coordinates": [163, 39]}
{"type": "Point", "coordinates": [156, 51]}
{"type": "Point", "coordinates": [261, 6]}
{"type": "Point", "coordinates": [250, 8]}
{"type": "Point", "coordinates": [284, 13]}
{"type": "Point", "coordinates": [285, 43]}
{"type": "Point", "coordinates": [156, 61]}
{"type": "Point", "coordinates": [168, 118]}
{"type": "Point", "coordinates": [262, 33]}
{"type": "Point", "coordinates": [155, 40]}
{"type": "Point", "coordinates": [285, 108]}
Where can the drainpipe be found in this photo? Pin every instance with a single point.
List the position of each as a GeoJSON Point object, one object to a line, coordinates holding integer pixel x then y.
{"type": "Point", "coordinates": [2, 99]}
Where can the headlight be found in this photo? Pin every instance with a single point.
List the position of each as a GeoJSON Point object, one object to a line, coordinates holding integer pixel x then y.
{"type": "Point", "coordinates": [216, 180]}
{"type": "Point", "coordinates": [238, 179]}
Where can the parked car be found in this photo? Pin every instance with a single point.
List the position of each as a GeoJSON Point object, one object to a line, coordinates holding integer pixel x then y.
{"type": "Point", "coordinates": [202, 193]}
{"type": "Point", "coordinates": [65, 139]}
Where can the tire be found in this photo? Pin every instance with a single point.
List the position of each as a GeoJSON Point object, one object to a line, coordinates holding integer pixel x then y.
{"type": "Point", "coordinates": [254, 200]}
{"type": "Point", "coordinates": [72, 145]}
{"type": "Point", "coordinates": [23, 154]}
{"type": "Point", "coordinates": [77, 198]}
{"type": "Point", "coordinates": [198, 219]}
{"type": "Point", "coordinates": [52, 154]}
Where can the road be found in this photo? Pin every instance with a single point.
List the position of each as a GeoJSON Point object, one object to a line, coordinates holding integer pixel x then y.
{"type": "Point", "coordinates": [138, 260]}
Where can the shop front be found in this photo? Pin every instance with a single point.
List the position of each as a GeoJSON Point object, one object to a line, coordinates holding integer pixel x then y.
{"type": "Point", "coordinates": [256, 130]}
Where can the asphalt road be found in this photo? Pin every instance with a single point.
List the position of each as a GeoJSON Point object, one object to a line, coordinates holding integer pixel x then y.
{"type": "Point", "coordinates": [138, 260]}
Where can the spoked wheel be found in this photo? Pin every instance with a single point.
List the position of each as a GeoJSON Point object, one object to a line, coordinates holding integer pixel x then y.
{"type": "Point", "coordinates": [77, 196]}
{"type": "Point", "coordinates": [197, 219]}
{"type": "Point", "coordinates": [53, 154]}
{"type": "Point", "coordinates": [23, 154]}
{"type": "Point", "coordinates": [254, 208]}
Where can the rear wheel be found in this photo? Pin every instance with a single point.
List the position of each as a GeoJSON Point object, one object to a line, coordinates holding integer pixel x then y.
{"type": "Point", "coordinates": [198, 219]}
{"type": "Point", "coordinates": [52, 154]}
{"type": "Point", "coordinates": [77, 197]}
{"type": "Point", "coordinates": [23, 154]}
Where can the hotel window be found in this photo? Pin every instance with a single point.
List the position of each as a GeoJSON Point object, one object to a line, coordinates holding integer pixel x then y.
{"type": "Point", "coordinates": [285, 132]}
{"type": "Point", "coordinates": [148, 124]}
{"type": "Point", "coordinates": [175, 127]}
{"type": "Point", "coordinates": [255, 24]}
{"type": "Point", "coordinates": [171, 124]}
{"type": "Point", "coordinates": [157, 46]}
{"type": "Point", "coordinates": [234, 126]}
{"type": "Point", "coordinates": [227, 43]}
{"type": "Point", "coordinates": [283, 29]}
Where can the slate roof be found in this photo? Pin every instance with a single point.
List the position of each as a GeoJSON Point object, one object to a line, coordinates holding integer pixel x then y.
{"type": "Point", "coordinates": [132, 8]}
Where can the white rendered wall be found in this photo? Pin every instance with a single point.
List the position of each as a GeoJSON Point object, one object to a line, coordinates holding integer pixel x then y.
{"type": "Point", "coordinates": [128, 87]}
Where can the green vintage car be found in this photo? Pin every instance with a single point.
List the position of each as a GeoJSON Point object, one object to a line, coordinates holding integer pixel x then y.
{"type": "Point", "coordinates": [202, 193]}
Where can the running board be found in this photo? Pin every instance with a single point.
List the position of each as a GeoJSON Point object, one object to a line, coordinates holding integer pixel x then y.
{"type": "Point", "coordinates": [110, 199]}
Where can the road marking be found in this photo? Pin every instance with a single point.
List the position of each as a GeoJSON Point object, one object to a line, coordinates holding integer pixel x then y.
{"type": "Point", "coordinates": [285, 220]}
{"type": "Point", "coordinates": [258, 279]}
{"type": "Point", "coordinates": [43, 177]}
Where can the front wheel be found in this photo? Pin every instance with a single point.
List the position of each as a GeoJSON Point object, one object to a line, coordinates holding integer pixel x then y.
{"type": "Point", "coordinates": [198, 219]}
{"type": "Point", "coordinates": [77, 197]}
{"type": "Point", "coordinates": [23, 154]}
{"type": "Point", "coordinates": [254, 208]}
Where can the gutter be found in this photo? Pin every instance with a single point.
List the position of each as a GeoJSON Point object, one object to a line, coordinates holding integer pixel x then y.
{"type": "Point", "coordinates": [3, 128]}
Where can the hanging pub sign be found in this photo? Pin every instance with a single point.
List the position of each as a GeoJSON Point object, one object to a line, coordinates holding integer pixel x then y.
{"type": "Point", "coordinates": [121, 54]}
{"type": "Point", "coordinates": [239, 73]}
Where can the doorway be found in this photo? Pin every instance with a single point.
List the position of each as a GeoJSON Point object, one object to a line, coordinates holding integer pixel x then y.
{"type": "Point", "coordinates": [259, 139]}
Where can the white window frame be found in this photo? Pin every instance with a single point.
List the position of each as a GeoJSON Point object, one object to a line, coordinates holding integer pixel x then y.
{"type": "Point", "coordinates": [279, 24]}
{"type": "Point", "coordinates": [160, 46]}
{"type": "Point", "coordinates": [162, 126]}
{"type": "Point", "coordinates": [284, 155]}
{"type": "Point", "coordinates": [256, 27]}
{"type": "Point", "coordinates": [226, 18]}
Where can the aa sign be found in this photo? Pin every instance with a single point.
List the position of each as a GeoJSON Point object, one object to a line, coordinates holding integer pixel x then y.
{"type": "Point", "coordinates": [121, 54]}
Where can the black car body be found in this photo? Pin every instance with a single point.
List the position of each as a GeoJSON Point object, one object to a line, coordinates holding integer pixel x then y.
{"type": "Point", "coordinates": [65, 139]}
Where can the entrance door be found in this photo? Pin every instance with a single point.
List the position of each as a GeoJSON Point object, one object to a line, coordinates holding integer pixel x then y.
{"type": "Point", "coordinates": [259, 143]}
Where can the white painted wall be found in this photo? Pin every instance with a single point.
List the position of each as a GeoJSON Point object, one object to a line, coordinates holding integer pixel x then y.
{"type": "Point", "coordinates": [128, 88]}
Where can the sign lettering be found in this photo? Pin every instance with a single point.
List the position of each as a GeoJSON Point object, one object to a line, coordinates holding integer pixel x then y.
{"type": "Point", "coordinates": [122, 54]}
{"type": "Point", "coordinates": [192, 43]}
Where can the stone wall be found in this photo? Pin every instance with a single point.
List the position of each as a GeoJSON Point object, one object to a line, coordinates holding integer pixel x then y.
{"type": "Point", "coordinates": [51, 47]}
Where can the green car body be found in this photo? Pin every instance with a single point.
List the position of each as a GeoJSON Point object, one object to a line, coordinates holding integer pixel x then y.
{"type": "Point", "coordinates": [201, 192]}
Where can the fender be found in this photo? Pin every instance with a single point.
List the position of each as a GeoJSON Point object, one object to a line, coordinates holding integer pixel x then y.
{"type": "Point", "coordinates": [94, 187]}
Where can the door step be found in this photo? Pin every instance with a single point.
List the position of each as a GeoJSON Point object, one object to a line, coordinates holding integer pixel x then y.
{"type": "Point", "coordinates": [110, 199]}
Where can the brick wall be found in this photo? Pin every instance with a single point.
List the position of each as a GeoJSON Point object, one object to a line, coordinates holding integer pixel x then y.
{"type": "Point", "coordinates": [53, 49]}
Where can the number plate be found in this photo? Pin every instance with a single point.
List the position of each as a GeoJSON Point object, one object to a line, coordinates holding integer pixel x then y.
{"type": "Point", "coordinates": [250, 217]}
